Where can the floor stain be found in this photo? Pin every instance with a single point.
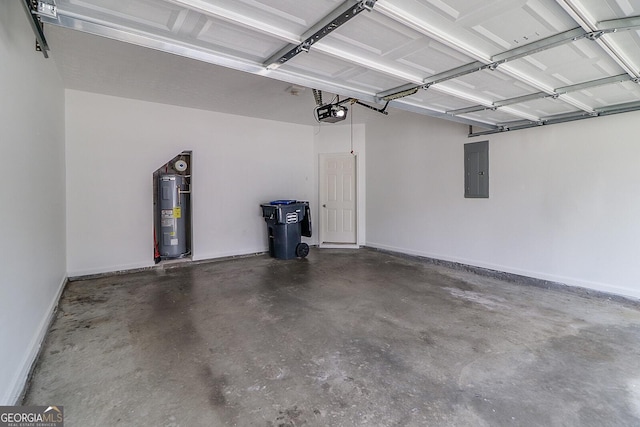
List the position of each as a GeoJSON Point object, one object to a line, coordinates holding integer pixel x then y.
{"type": "Point", "coordinates": [347, 338]}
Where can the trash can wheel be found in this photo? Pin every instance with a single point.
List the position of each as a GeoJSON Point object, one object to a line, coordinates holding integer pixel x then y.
{"type": "Point", "coordinates": [302, 250]}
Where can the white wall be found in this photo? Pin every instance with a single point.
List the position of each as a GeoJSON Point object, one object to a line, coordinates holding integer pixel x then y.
{"type": "Point", "coordinates": [338, 138]}
{"type": "Point", "coordinates": [32, 246]}
{"type": "Point", "coordinates": [563, 203]}
{"type": "Point", "coordinates": [115, 144]}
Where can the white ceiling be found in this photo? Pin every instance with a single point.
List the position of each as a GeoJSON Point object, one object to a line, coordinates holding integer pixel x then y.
{"type": "Point", "coordinates": [492, 63]}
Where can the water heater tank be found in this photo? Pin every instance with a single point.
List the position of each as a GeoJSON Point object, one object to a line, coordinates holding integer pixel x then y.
{"type": "Point", "coordinates": [172, 211]}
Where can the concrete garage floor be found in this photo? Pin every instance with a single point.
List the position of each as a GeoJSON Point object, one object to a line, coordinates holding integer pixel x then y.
{"type": "Point", "coordinates": [341, 338]}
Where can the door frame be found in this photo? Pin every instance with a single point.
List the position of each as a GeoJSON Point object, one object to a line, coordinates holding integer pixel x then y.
{"type": "Point", "coordinates": [321, 231]}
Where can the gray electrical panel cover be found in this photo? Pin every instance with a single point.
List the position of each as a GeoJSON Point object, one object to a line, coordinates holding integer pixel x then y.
{"type": "Point", "coordinates": [476, 170]}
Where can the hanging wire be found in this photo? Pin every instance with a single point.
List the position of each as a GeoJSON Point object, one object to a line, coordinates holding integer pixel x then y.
{"type": "Point", "coordinates": [352, 129]}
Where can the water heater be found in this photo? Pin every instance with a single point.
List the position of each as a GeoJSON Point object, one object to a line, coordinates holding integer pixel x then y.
{"type": "Point", "coordinates": [172, 209]}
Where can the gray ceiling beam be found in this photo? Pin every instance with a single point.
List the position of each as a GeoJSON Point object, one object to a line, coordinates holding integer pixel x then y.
{"type": "Point", "coordinates": [214, 10]}
{"type": "Point", "coordinates": [593, 83]}
{"type": "Point", "coordinates": [468, 110]}
{"type": "Point", "coordinates": [406, 106]}
{"type": "Point", "coordinates": [562, 118]}
{"type": "Point", "coordinates": [540, 95]}
{"type": "Point", "coordinates": [338, 17]}
{"type": "Point", "coordinates": [591, 33]}
{"type": "Point", "coordinates": [539, 46]}
{"type": "Point", "coordinates": [498, 104]}
{"type": "Point", "coordinates": [622, 24]}
{"type": "Point", "coordinates": [509, 55]}
{"type": "Point", "coordinates": [455, 73]}
{"type": "Point", "coordinates": [620, 108]}
{"type": "Point", "coordinates": [521, 99]}
{"type": "Point", "coordinates": [508, 127]}
{"type": "Point", "coordinates": [436, 78]}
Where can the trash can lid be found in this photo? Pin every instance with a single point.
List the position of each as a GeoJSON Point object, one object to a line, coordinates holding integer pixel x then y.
{"type": "Point", "coordinates": [283, 202]}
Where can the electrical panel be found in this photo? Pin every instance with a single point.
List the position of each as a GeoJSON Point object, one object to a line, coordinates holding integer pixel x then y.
{"type": "Point", "coordinates": [476, 170]}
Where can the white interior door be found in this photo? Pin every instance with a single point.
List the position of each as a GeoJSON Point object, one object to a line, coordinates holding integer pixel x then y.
{"type": "Point", "coordinates": [338, 199]}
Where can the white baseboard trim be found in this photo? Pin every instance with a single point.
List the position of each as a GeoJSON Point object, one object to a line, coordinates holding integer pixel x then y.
{"type": "Point", "coordinates": [338, 246]}
{"type": "Point", "coordinates": [227, 254]}
{"type": "Point", "coordinates": [111, 269]}
{"type": "Point", "coordinates": [564, 280]}
{"type": "Point", "coordinates": [19, 383]}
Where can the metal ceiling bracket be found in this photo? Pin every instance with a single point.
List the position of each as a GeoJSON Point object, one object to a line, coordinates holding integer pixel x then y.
{"type": "Point", "coordinates": [36, 26]}
{"type": "Point", "coordinates": [338, 17]}
{"type": "Point", "coordinates": [305, 46]}
{"type": "Point", "coordinates": [47, 8]}
{"type": "Point", "coordinates": [368, 4]}
{"type": "Point", "coordinates": [595, 35]}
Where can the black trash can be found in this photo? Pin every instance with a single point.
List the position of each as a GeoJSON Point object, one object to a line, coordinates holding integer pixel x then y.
{"type": "Point", "coordinates": [287, 221]}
